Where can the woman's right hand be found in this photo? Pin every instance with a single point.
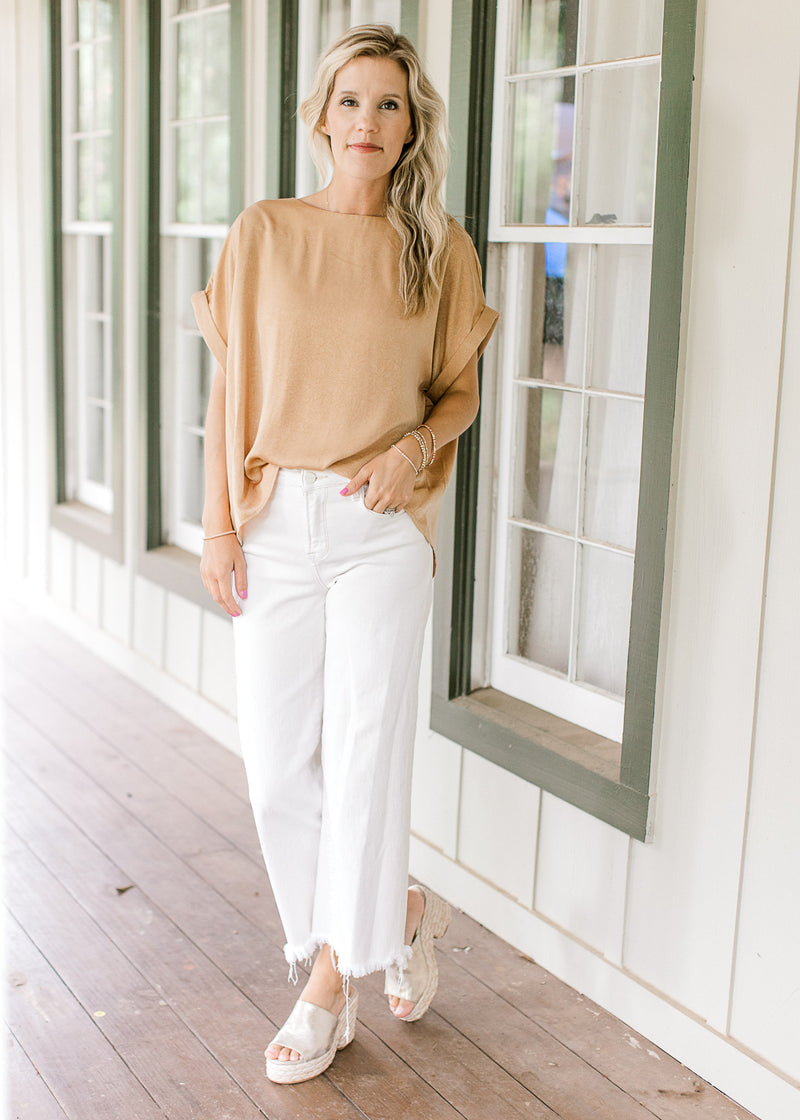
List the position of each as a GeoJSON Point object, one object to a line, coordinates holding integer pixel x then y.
{"type": "Point", "coordinates": [221, 557]}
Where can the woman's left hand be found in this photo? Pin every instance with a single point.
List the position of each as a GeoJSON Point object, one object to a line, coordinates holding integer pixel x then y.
{"type": "Point", "coordinates": [391, 482]}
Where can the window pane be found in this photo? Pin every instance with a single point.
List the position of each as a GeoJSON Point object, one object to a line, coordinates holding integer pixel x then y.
{"type": "Point", "coordinates": [196, 370]}
{"type": "Point", "coordinates": [605, 608]}
{"type": "Point", "coordinates": [622, 28]}
{"type": "Point", "coordinates": [547, 454]}
{"type": "Point", "coordinates": [622, 307]}
{"type": "Point", "coordinates": [216, 64]}
{"type": "Point", "coordinates": [85, 19]}
{"type": "Point", "coordinates": [190, 73]}
{"type": "Point", "coordinates": [104, 17]}
{"type": "Point", "coordinates": [335, 16]}
{"type": "Point", "coordinates": [94, 358]}
{"type": "Point", "coordinates": [91, 255]}
{"type": "Point", "coordinates": [547, 31]}
{"type": "Point", "coordinates": [104, 195]}
{"type": "Point", "coordinates": [192, 478]}
{"type": "Point", "coordinates": [540, 597]}
{"type": "Point", "coordinates": [618, 145]}
{"type": "Point", "coordinates": [542, 114]}
{"type": "Point", "coordinates": [96, 443]}
{"type": "Point", "coordinates": [189, 173]}
{"type": "Point", "coordinates": [612, 470]}
{"type": "Point", "coordinates": [85, 153]}
{"type": "Point", "coordinates": [545, 305]}
{"type": "Point", "coordinates": [86, 89]}
{"type": "Point", "coordinates": [104, 85]}
{"type": "Point", "coordinates": [216, 161]}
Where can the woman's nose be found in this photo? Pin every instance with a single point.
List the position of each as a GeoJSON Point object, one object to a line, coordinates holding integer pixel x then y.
{"type": "Point", "coordinates": [366, 121]}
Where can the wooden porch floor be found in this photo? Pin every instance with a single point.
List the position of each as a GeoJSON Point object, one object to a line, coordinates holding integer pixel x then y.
{"type": "Point", "coordinates": [144, 949]}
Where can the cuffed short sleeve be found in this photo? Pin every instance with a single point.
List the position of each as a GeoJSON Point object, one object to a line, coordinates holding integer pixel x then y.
{"type": "Point", "coordinates": [464, 324]}
{"type": "Point", "coordinates": [212, 305]}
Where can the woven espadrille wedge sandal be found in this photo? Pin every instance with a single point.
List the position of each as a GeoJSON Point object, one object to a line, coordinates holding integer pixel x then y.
{"type": "Point", "coordinates": [316, 1035]}
{"type": "Point", "coordinates": [421, 975]}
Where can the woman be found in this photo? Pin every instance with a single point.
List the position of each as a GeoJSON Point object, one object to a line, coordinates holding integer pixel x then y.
{"type": "Point", "coordinates": [347, 327]}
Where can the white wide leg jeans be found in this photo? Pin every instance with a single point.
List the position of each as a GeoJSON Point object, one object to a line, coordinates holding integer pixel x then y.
{"type": "Point", "coordinates": [328, 650]}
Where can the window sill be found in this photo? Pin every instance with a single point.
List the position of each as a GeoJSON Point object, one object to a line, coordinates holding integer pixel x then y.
{"type": "Point", "coordinates": [99, 531]}
{"type": "Point", "coordinates": [178, 571]}
{"type": "Point", "coordinates": [559, 757]}
{"type": "Point", "coordinates": [568, 740]}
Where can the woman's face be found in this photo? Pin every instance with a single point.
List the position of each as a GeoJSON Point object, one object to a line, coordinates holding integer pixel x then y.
{"type": "Point", "coordinates": [368, 118]}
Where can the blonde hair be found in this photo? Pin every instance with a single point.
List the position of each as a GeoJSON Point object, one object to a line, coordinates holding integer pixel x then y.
{"type": "Point", "coordinates": [414, 204]}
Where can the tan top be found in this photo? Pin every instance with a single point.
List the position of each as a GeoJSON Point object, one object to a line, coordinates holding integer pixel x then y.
{"type": "Point", "coordinates": [304, 316]}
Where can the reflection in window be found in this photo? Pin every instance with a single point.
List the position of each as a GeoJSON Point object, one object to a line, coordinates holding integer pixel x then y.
{"type": "Point", "coordinates": [573, 173]}
{"type": "Point", "coordinates": [563, 55]}
{"type": "Point", "coordinates": [573, 357]}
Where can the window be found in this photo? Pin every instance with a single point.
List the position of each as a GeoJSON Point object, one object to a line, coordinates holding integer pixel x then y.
{"type": "Point", "coordinates": [558, 565]}
{"type": "Point", "coordinates": [576, 118]}
{"type": "Point", "coordinates": [200, 172]}
{"type": "Point", "coordinates": [87, 201]}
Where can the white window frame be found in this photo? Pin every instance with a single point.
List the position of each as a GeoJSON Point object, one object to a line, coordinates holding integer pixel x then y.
{"type": "Point", "coordinates": [578, 703]}
{"type": "Point", "coordinates": [178, 324]}
{"type": "Point", "coordinates": [77, 232]}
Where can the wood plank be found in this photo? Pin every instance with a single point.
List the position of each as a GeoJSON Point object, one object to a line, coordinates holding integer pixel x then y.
{"type": "Point", "coordinates": [35, 641]}
{"type": "Point", "coordinates": [92, 701]}
{"type": "Point", "coordinates": [657, 1080]}
{"type": "Point", "coordinates": [79, 1064]}
{"type": "Point", "coordinates": [113, 714]}
{"type": "Point", "coordinates": [28, 1096]}
{"type": "Point", "coordinates": [184, 976]}
{"type": "Point", "coordinates": [472, 1082]}
{"type": "Point", "coordinates": [549, 1071]}
{"type": "Point", "coordinates": [148, 1035]}
{"type": "Point", "coordinates": [250, 960]}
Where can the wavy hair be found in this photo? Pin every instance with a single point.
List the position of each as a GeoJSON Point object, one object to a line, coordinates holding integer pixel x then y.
{"type": "Point", "coordinates": [414, 201]}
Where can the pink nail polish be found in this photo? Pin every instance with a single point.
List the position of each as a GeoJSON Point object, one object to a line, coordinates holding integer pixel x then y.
{"type": "Point", "coordinates": [343, 491]}
{"type": "Point", "coordinates": [243, 594]}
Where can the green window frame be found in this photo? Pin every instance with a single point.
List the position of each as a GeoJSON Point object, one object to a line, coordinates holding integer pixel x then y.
{"type": "Point", "coordinates": [175, 411]}
{"type": "Point", "coordinates": [514, 735]}
{"type": "Point", "coordinates": [160, 559]}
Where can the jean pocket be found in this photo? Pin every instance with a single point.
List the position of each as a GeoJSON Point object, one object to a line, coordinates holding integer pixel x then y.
{"type": "Point", "coordinates": [374, 513]}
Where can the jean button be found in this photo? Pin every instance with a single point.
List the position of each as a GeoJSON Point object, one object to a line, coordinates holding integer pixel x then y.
{"type": "Point", "coordinates": [309, 477]}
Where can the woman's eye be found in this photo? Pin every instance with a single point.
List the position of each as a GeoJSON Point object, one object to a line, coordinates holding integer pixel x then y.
{"type": "Point", "coordinates": [389, 105]}
{"type": "Point", "coordinates": [348, 101]}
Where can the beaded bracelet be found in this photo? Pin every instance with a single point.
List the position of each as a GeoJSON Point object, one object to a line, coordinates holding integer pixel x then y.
{"type": "Point", "coordinates": [214, 536]}
{"type": "Point", "coordinates": [433, 443]}
{"type": "Point", "coordinates": [407, 459]}
{"type": "Point", "coordinates": [423, 447]}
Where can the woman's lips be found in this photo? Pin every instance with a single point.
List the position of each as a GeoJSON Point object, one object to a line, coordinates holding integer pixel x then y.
{"type": "Point", "coordinates": [365, 147]}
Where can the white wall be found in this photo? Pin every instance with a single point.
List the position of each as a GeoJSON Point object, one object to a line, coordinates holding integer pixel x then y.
{"type": "Point", "coordinates": [691, 938]}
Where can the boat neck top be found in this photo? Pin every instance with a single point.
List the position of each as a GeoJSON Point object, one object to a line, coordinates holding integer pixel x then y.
{"type": "Point", "coordinates": [323, 369]}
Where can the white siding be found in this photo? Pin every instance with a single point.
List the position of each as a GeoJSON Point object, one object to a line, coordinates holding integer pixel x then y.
{"type": "Point", "coordinates": [765, 1011]}
{"type": "Point", "coordinates": [581, 876]}
{"type": "Point", "coordinates": [498, 826]}
{"type": "Point", "coordinates": [692, 938]}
